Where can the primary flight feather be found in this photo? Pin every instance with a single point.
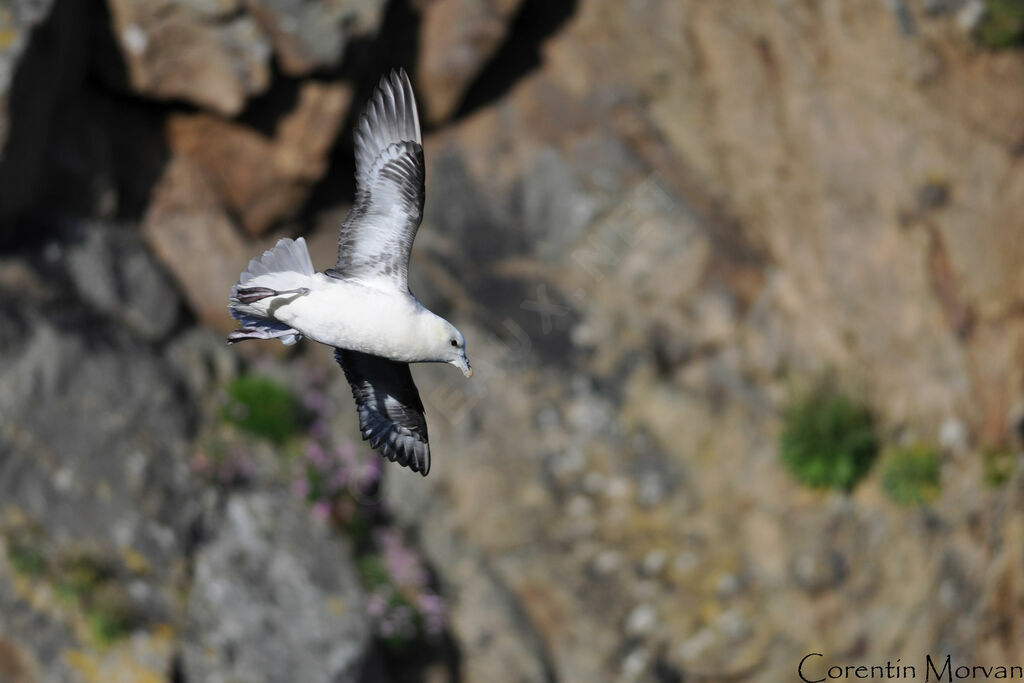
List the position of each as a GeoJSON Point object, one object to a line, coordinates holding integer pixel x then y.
{"type": "Point", "coordinates": [362, 305]}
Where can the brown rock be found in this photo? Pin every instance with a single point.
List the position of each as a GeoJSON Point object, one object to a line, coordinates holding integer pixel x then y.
{"type": "Point", "coordinates": [304, 136]}
{"type": "Point", "coordinates": [175, 51]}
{"type": "Point", "coordinates": [312, 34]}
{"type": "Point", "coordinates": [780, 232]}
{"type": "Point", "coordinates": [14, 664]}
{"type": "Point", "coordinates": [190, 232]}
{"type": "Point", "coordinates": [212, 8]}
{"type": "Point", "coordinates": [457, 38]}
{"type": "Point", "coordinates": [238, 162]}
{"type": "Point", "coordinates": [262, 180]}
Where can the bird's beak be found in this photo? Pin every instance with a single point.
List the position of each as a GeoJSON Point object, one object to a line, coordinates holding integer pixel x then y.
{"type": "Point", "coordinates": [462, 363]}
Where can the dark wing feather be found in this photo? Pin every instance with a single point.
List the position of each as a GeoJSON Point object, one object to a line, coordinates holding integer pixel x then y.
{"type": "Point", "coordinates": [391, 415]}
{"type": "Point", "coordinates": [377, 236]}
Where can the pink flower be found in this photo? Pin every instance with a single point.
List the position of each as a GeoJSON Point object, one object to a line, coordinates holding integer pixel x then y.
{"type": "Point", "coordinates": [199, 462]}
{"type": "Point", "coordinates": [319, 428]}
{"type": "Point", "coordinates": [315, 455]}
{"type": "Point", "coordinates": [321, 511]}
{"type": "Point", "coordinates": [314, 400]}
{"type": "Point", "coordinates": [376, 606]}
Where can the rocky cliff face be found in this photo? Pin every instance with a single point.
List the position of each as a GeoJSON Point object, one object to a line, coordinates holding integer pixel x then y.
{"type": "Point", "coordinates": [655, 222]}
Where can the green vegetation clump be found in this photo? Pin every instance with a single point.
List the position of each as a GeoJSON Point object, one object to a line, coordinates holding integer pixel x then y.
{"type": "Point", "coordinates": [999, 465]}
{"type": "Point", "coordinates": [109, 615]}
{"type": "Point", "coordinates": [911, 475]}
{"type": "Point", "coordinates": [95, 588]}
{"type": "Point", "coordinates": [1002, 26]}
{"type": "Point", "coordinates": [829, 440]}
{"type": "Point", "coordinates": [90, 584]}
{"type": "Point", "coordinates": [26, 557]}
{"type": "Point", "coordinates": [78, 576]}
{"type": "Point", "coordinates": [262, 407]}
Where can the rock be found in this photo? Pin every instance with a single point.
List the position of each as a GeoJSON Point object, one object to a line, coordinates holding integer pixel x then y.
{"type": "Point", "coordinates": [57, 432]}
{"type": "Point", "coordinates": [607, 562]}
{"type": "Point", "coordinates": [275, 597]}
{"type": "Point", "coordinates": [305, 135]}
{"type": "Point", "coordinates": [970, 14]}
{"type": "Point", "coordinates": [17, 20]}
{"type": "Point", "coordinates": [239, 164]}
{"type": "Point", "coordinates": [35, 83]}
{"type": "Point", "coordinates": [640, 621]}
{"type": "Point", "coordinates": [457, 39]}
{"type": "Point", "coordinates": [89, 417]}
{"type": "Point", "coordinates": [113, 272]}
{"type": "Point", "coordinates": [191, 51]}
{"type": "Point", "coordinates": [190, 232]}
{"type": "Point", "coordinates": [259, 179]}
{"type": "Point", "coordinates": [634, 664]}
{"type": "Point", "coordinates": [819, 568]}
{"type": "Point", "coordinates": [953, 436]}
{"type": "Point", "coordinates": [938, 7]}
{"type": "Point", "coordinates": [309, 34]}
{"type": "Point", "coordinates": [498, 639]}
{"type": "Point", "coordinates": [654, 562]}
{"type": "Point", "coordinates": [648, 233]}
{"type": "Point", "coordinates": [212, 9]}
{"type": "Point", "coordinates": [15, 666]}
{"type": "Point", "coordinates": [202, 360]}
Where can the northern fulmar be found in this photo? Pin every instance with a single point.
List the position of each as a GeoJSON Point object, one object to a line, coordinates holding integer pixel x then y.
{"type": "Point", "coordinates": [362, 305]}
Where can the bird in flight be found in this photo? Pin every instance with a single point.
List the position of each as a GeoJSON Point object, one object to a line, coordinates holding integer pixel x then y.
{"type": "Point", "coordinates": [362, 305]}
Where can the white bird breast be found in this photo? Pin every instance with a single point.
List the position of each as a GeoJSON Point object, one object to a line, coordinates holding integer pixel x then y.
{"type": "Point", "coordinates": [354, 316]}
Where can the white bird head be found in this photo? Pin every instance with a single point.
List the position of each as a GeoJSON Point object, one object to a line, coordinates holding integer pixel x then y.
{"type": "Point", "coordinates": [447, 345]}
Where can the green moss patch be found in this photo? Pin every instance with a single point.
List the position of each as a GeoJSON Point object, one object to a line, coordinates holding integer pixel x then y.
{"type": "Point", "coordinates": [911, 475]}
{"type": "Point", "coordinates": [998, 466]}
{"type": "Point", "coordinates": [263, 407]}
{"type": "Point", "coordinates": [1002, 27]}
{"type": "Point", "coordinates": [828, 440]}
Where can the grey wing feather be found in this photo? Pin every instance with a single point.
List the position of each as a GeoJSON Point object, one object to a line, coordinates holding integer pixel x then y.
{"type": "Point", "coordinates": [376, 237]}
{"type": "Point", "coordinates": [391, 415]}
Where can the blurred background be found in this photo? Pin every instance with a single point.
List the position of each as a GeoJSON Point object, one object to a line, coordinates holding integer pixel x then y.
{"type": "Point", "coordinates": [742, 283]}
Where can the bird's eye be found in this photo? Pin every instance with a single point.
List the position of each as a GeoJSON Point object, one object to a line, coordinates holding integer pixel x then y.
{"type": "Point", "coordinates": [454, 342]}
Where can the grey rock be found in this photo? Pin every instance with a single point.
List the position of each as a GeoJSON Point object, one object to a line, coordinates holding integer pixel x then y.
{"type": "Point", "coordinates": [497, 638]}
{"type": "Point", "coordinates": [953, 436]}
{"type": "Point", "coordinates": [93, 439]}
{"type": "Point", "coordinates": [113, 272]}
{"type": "Point", "coordinates": [939, 7]}
{"type": "Point", "coordinates": [970, 14]}
{"type": "Point", "coordinates": [654, 562]}
{"type": "Point", "coordinates": [35, 82]}
{"type": "Point", "coordinates": [173, 50]}
{"type": "Point", "coordinates": [640, 621]}
{"type": "Point", "coordinates": [92, 421]}
{"type": "Point", "coordinates": [457, 39]}
{"type": "Point", "coordinates": [555, 207]}
{"type": "Point", "coordinates": [202, 360]}
{"type": "Point", "coordinates": [212, 8]}
{"type": "Point", "coordinates": [818, 568]}
{"type": "Point", "coordinates": [18, 18]}
{"type": "Point", "coordinates": [35, 640]}
{"type": "Point", "coordinates": [310, 34]}
{"type": "Point", "coordinates": [634, 664]}
{"type": "Point", "coordinates": [275, 598]}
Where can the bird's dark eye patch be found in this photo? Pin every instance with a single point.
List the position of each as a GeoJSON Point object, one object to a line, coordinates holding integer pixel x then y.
{"type": "Point", "coordinates": [453, 342]}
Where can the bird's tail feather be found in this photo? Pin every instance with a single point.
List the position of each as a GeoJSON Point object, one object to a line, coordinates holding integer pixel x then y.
{"type": "Point", "coordinates": [286, 266]}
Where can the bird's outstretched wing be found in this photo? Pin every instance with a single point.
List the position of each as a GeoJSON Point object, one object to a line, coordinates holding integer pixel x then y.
{"type": "Point", "coordinates": [391, 414]}
{"type": "Point", "coordinates": [377, 236]}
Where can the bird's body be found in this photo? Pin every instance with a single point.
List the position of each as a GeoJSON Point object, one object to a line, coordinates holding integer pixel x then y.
{"type": "Point", "coordinates": [362, 306]}
{"type": "Point", "coordinates": [352, 315]}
